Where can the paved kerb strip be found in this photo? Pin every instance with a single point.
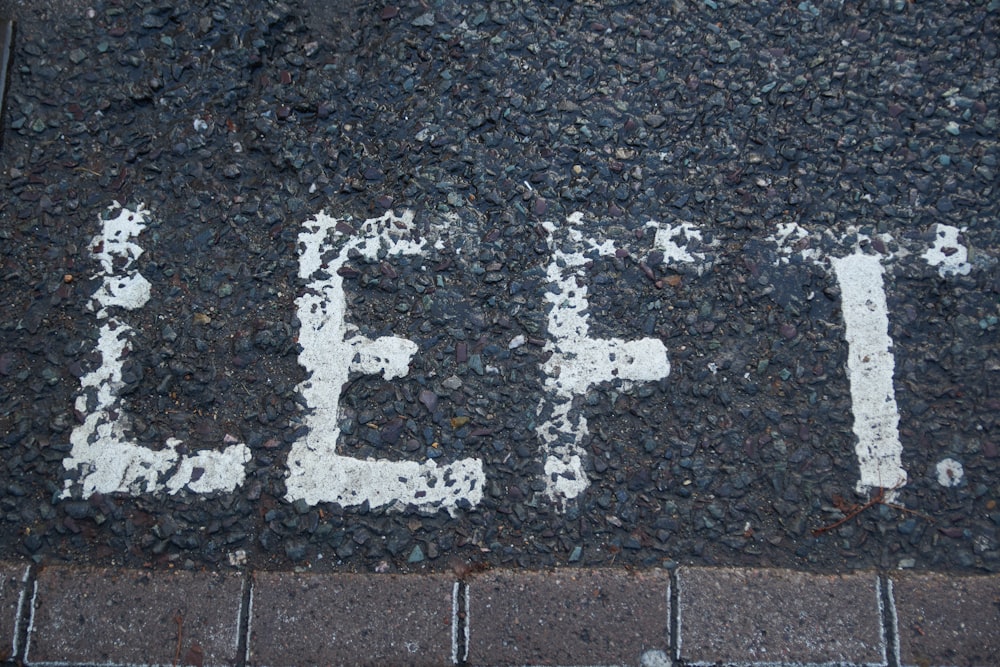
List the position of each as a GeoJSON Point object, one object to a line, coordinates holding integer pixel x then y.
{"type": "Point", "coordinates": [569, 617]}
{"type": "Point", "coordinates": [505, 617]}
{"type": "Point", "coordinates": [351, 619]}
{"type": "Point", "coordinates": [754, 616]}
{"type": "Point", "coordinates": [134, 617]}
{"type": "Point", "coordinates": [944, 621]}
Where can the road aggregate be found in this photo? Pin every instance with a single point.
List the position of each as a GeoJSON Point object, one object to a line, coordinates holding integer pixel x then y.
{"type": "Point", "coordinates": [236, 122]}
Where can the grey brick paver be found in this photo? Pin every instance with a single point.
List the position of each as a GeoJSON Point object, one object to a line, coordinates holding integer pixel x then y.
{"type": "Point", "coordinates": [778, 616]}
{"type": "Point", "coordinates": [569, 617]}
{"type": "Point", "coordinates": [134, 617]}
{"type": "Point", "coordinates": [348, 619]}
{"type": "Point", "coordinates": [12, 577]}
{"type": "Point", "coordinates": [947, 621]}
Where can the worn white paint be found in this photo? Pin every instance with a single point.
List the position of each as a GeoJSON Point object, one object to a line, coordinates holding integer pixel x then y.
{"type": "Point", "coordinates": [674, 252]}
{"type": "Point", "coordinates": [949, 472]}
{"type": "Point", "coordinates": [331, 350]}
{"type": "Point", "coordinates": [105, 460]}
{"type": "Point", "coordinates": [870, 366]}
{"type": "Point", "coordinates": [870, 362]}
{"type": "Point", "coordinates": [791, 238]}
{"type": "Point", "coordinates": [579, 361]}
{"type": "Point", "coordinates": [947, 254]}
{"type": "Point", "coordinates": [788, 237]}
{"type": "Point", "coordinates": [126, 289]}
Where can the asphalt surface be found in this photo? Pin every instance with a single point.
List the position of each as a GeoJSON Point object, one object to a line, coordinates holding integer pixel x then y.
{"type": "Point", "coordinates": [542, 161]}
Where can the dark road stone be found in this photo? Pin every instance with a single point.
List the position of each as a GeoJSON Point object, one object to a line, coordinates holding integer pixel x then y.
{"type": "Point", "coordinates": [131, 617]}
{"type": "Point", "coordinates": [944, 620]}
{"type": "Point", "coordinates": [569, 617]}
{"type": "Point", "coordinates": [495, 124]}
{"type": "Point", "coordinates": [778, 616]}
{"type": "Point", "coordinates": [308, 619]}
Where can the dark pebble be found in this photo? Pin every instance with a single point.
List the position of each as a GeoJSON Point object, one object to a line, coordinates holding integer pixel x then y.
{"type": "Point", "coordinates": [33, 542]}
{"type": "Point", "coordinates": [945, 205]}
{"type": "Point", "coordinates": [539, 206]}
{"type": "Point", "coordinates": [78, 509]}
{"type": "Point", "coordinates": [296, 550]}
{"type": "Point", "coordinates": [429, 399]}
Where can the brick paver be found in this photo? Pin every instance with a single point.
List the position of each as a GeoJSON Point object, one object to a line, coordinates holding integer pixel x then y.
{"type": "Point", "coordinates": [769, 616]}
{"type": "Point", "coordinates": [947, 621]}
{"type": "Point", "coordinates": [11, 587]}
{"type": "Point", "coordinates": [134, 617]}
{"type": "Point", "coordinates": [569, 617]}
{"type": "Point", "coordinates": [348, 619]}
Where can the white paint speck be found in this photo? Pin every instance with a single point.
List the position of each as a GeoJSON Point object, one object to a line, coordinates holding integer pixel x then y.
{"type": "Point", "coordinates": [791, 239]}
{"type": "Point", "coordinates": [947, 254]}
{"type": "Point", "coordinates": [949, 472]}
{"type": "Point", "coordinates": [331, 350]}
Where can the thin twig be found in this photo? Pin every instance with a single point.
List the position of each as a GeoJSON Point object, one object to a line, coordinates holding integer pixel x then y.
{"type": "Point", "coordinates": [179, 620]}
{"type": "Point", "coordinates": [877, 499]}
{"type": "Point", "coordinates": [909, 511]}
{"type": "Point", "coordinates": [858, 509]}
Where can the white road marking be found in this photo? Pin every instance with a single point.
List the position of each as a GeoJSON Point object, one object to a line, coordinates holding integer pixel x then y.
{"type": "Point", "coordinates": [331, 350]}
{"type": "Point", "coordinates": [105, 460]}
{"type": "Point", "coordinates": [870, 362]}
{"type": "Point", "coordinates": [870, 366]}
{"type": "Point", "coordinates": [579, 361]}
{"type": "Point", "coordinates": [128, 290]}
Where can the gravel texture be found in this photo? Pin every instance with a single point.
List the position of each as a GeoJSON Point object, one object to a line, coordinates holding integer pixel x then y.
{"type": "Point", "coordinates": [236, 122]}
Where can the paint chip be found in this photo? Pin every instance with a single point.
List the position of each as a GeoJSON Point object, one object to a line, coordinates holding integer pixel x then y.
{"type": "Point", "coordinates": [947, 254]}
{"type": "Point", "coordinates": [949, 472]}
